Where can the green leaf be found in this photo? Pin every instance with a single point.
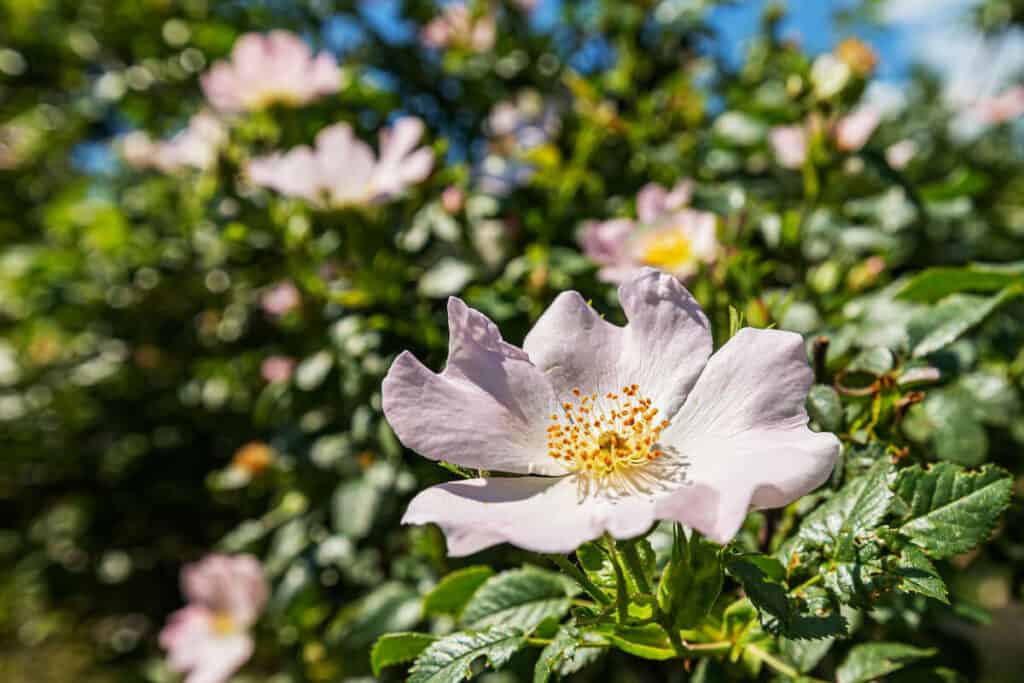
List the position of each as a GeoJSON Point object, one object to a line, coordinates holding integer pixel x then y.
{"type": "Point", "coordinates": [354, 507]}
{"type": "Point", "coordinates": [809, 614]}
{"type": "Point", "coordinates": [825, 408]}
{"type": "Point", "coordinates": [935, 283]}
{"type": "Point", "coordinates": [521, 598]}
{"type": "Point", "coordinates": [391, 607]}
{"type": "Point", "coordinates": [452, 592]}
{"type": "Point", "coordinates": [949, 510]}
{"type": "Point", "coordinates": [939, 326]}
{"type": "Point", "coordinates": [564, 655]}
{"type": "Point", "coordinates": [449, 659]}
{"type": "Point", "coordinates": [805, 654]}
{"type": "Point", "coordinates": [397, 648]}
{"type": "Point", "coordinates": [869, 661]}
{"type": "Point", "coordinates": [691, 581]}
{"type": "Point", "coordinates": [856, 508]}
{"type": "Point", "coordinates": [918, 575]}
{"type": "Point", "coordinates": [648, 642]}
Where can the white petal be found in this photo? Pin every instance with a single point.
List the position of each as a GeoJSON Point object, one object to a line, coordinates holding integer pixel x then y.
{"type": "Point", "coordinates": [541, 514]}
{"type": "Point", "coordinates": [489, 409]}
{"type": "Point", "coordinates": [743, 431]}
{"type": "Point", "coordinates": [663, 348]}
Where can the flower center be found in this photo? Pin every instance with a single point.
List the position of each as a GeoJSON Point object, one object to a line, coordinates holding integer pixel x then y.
{"type": "Point", "coordinates": [667, 249]}
{"type": "Point", "coordinates": [608, 441]}
{"type": "Point", "coordinates": [222, 623]}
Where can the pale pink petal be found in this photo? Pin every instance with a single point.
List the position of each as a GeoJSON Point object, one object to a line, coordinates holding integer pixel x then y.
{"type": "Point", "coordinates": [900, 154]}
{"type": "Point", "coordinates": [249, 57]}
{"type": "Point", "coordinates": [650, 202]}
{"type": "Point", "coordinates": [220, 86]}
{"type": "Point", "coordinates": [436, 33]}
{"type": "Point", "coordinates": [484, 33]}
{"type": "Point", "coordinates": [399, 165]}
{"type": "Point", "coordinates": [276, 68]}
{"type": "Point", "coordinates": [542, 514]}
{"type": "Point", "coordinates": [295, 174]}
{"type": "Point", "coordinates": [789, 144]}
{"type": "Point", "coordinates": [489, 409]}
{"type": "Point", "coordinates": [346, 165]}
{"type": "Point", "coordinates": [604, 242]}
{"type": "Point", "coordinates": [227, 584]}
{"type": "Point", "coordinates": [417, 166]}
{"type": "Point", "coordinates": [663, 348]}
{"type": "Point", "coordinates": [397, 141]}
{"type": "Point", "coordinates": [743, 432]}
{"type": "Point", "coordinates": [680, 195]}
{"type": "Point", "coordinates": [852, 131]}
{"type": "Point", "coordinates": [195, 647]}
{"type": "Point", "coordinates": [325, 77]}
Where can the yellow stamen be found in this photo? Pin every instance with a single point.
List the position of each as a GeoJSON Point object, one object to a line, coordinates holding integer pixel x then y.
{"type": "Point", "coordinates": [608, 438]}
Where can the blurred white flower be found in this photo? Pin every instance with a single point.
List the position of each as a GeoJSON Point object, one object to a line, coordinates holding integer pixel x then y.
{"type": "Point", "coordinates": [341, 170]}
{"type": "Point", "coordinates": [277, 68]}
{"type": "Point", "coordinates": [457, 26]}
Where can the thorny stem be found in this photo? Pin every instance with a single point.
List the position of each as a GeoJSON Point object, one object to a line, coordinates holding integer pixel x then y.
{"type": "Point", "coordinates": [578, 575]}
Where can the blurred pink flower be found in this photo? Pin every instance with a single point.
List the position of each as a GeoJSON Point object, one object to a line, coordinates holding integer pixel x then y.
{"type": "Point", "coordinates": [901, 153]}
{"type": "Point", "coordinates": [197, 146]}
{"type": "Point", "coordinates": [453, 199]}
{"type": "Point", "coordinates": [208, 639]}
{"type": "Point", "coordinates": [852, 131]}
{"type": "Point", "coordinates": [341, 169]}
{"type": "Point", "coordinates": [281, 299]}
{"type": "Point", "coordinates": [789, 144]}
{"type": "Point", "coordinates": [606, 243]}
{"type": "Point", "coordinates": [457, 26]}
{"type": "Point", "coordinates": [654, 201]}
{"type": "Point", "coordinates": [277, 68]}
{"type": "Point", "coordinates": [612, 428]}
{"type": "Point", "coordinates": [275, 369]}
{"type": "Point", "coordinates": [1006, 106]}
{"type": "Point", "coordinates": [665, 236]}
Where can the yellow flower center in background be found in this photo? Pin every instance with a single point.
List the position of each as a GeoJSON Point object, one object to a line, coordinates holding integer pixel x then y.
{"type": "Point", "coordinates": [222, 623]}
{"type": "Point", "coordinates": [668, 249]}
{"type": "Point", "coordinates": [606, 439]}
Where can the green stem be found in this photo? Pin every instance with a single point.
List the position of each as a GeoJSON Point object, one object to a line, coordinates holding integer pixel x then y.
{"type": "Point", "coordinates": [773, 661]}
{"type": "Point", "coordinates": [578, 575]}
{"type": "Point", "coordinates": [635, 566]}
{"type": "Point", "coordinates": [807, 584]}
{"type": "Point", "coordinates": [621, 589]}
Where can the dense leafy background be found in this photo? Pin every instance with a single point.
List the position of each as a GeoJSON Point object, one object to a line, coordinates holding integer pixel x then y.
{"type": "Point", "coordinates": [134, 336]}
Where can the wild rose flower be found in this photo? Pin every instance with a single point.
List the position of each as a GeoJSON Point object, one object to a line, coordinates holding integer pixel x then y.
{"type": "Point", "coordinates": [852, 131]}
{"type": "Point", "coordinates": [197, 146]}
{"type": "Point", "coordinates": [654, 201]}
{"type": "Point", "coordinates": [674, 240]}
{"type": "Point", "coordinates": [901, 153]}
{"type": "Point", "coordinates": [277, 68]}
{"type": "Point", "coordinates": [1004, 107]}
{"type": "Point", "coordinates": [789, 143]}
{"type": "Point", "coordinates": [341, 170]}
{"type": "Point", "coordinates": [281, 299]}
{"type": "Point", "coordinates": [209, 639]}
{"type": "Point", "coordinates": [456, 26]}
{"type": "Point", "coordinates": [612, 427]}
{"type": "Point", "coordinates": [275, 369]}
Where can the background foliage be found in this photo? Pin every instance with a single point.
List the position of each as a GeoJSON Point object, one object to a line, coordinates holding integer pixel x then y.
{"type": "Point", "coordinates": [130, 371]}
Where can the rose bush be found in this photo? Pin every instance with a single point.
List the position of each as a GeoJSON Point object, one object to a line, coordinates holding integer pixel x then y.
{"type": "Point", "coordinates": [715, 367]}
